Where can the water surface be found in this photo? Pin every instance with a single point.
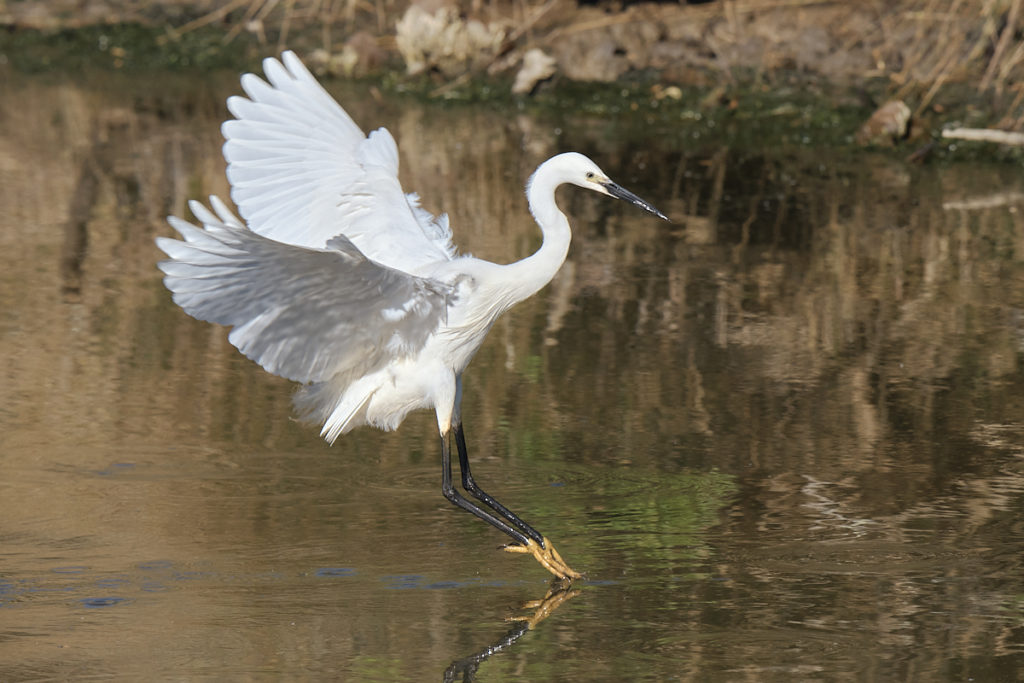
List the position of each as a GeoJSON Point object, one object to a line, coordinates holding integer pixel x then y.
{"type": "Point", "coordinates": [784, 436]}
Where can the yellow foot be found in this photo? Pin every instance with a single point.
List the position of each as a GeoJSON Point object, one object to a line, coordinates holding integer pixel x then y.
{"type": "Point", "coordinates": [547, 556]}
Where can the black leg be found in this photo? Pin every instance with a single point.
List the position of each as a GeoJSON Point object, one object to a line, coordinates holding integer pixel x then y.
{"type": "Point", "coordinates": [455, 497]}
{"type": "Point", "coordinates": [471, 487]}
{"type": "Point", "coordinates": [528, 541]}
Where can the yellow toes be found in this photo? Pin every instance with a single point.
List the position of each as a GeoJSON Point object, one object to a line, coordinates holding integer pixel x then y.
{"type": "Point", "coordinates": [517, 548]}
{"type": "Point", "coordinates": [547, 556]}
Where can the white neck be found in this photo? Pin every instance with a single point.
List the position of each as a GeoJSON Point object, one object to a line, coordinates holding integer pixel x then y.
{"type": "Point", "coordinates": [533, 272]}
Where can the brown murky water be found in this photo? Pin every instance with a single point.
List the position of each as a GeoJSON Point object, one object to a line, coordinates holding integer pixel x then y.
{"type": "Point", "coordinates": [784, 436]}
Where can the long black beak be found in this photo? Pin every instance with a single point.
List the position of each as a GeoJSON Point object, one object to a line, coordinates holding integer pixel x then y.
{"type": "Point", "coordinates": [620, 192]}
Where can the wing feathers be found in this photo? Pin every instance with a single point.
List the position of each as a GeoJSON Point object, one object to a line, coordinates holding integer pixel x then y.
{"type": "Point", "coordinates": [380, 149]}
{"type": "Point", "coordinates": [304, 314]}
{"type": "Point", "coordinates": [301, 172]}
{"type": "Point", "coordinates": [322, 286]}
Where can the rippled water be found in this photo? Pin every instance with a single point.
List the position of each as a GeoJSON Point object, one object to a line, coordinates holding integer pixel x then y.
{"type": "Point", "coordinates": [783, 436]}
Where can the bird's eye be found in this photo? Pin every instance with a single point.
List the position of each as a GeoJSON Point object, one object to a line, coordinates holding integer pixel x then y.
{"type": "Point", "coordinates": [590, 175]}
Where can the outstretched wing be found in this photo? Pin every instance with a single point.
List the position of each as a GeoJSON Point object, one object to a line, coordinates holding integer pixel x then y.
{"type": "Point", "coordinates": [302, 172]}
{"type": "Point", "coordinates": [304, 314]}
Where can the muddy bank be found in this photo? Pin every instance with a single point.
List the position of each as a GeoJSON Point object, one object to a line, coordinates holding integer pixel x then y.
{"type": "Point", "coordinates": [946, 60]}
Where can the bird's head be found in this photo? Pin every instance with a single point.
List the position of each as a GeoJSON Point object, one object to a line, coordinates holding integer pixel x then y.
{"type": "Point", "coordinates": [581, 171]}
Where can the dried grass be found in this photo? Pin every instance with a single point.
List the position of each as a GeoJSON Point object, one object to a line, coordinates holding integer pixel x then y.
{"type": "Point", "coordinates": [920, 47]}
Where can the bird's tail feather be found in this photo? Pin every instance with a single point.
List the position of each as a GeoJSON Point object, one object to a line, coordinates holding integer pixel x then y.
{"type": "Point", "coordinates": [339, 406]}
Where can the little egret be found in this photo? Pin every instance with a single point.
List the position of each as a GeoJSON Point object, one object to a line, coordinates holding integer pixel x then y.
{"type": "Point", "coordinates": [341, 281]}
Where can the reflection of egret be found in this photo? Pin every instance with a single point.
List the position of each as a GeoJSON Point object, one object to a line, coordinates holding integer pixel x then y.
{"type": "Point", "coordinates": [342, 282]}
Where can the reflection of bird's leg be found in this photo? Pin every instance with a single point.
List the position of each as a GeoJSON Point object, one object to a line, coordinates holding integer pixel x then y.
{"type": "Point", "coordinates": [528, 539]}
{"type": "Point", "coordinates": [543, 608]}
{"type": "Point", "coordinates": [465, 669]}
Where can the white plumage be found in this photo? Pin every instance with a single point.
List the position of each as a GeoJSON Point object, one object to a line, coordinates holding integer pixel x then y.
{"type": "Point", "coordinates": [338, 279]}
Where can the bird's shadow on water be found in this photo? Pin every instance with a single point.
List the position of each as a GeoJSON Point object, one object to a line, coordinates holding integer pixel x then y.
{"type": "Point", "coordinates": [465, 668]}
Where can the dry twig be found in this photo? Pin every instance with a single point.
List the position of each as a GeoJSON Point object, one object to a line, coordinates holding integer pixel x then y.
{"type": "Point", "coordinates": [1003, 137]}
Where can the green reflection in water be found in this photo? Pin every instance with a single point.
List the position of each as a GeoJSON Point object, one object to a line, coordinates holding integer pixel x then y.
{"type": "Point", "coordinates": [783, 435]}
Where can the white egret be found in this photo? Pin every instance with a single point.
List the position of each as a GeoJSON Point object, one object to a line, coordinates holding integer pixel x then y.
{"type": "Point", "coordinates": [341, 281]}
